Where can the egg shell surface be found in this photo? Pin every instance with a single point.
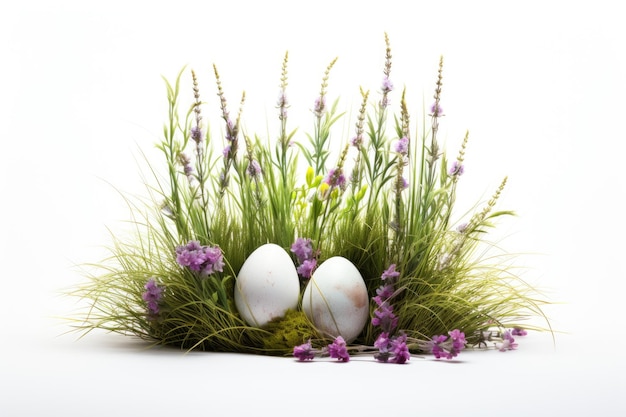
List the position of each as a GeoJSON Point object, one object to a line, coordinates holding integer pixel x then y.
{"type": "Point", "coordinates": [267, 285]}
{"type": "Point", "coordinates": [336, 299]}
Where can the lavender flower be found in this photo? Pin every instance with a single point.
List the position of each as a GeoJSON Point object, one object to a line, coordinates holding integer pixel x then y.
{"type": "Point", "coordinates": [383, 293]}
{"type": "Point", "coordinates": [203, 259]}
{"type": "Point", "coordinates": [214, 260]}
{"type": "Point", "coordinates": [442, 346]}
{"type": "Point", "coordinates": [399, 349]}
{"type": "Point", "coordinates": [304, 352]}
{"type": "Point", "coordinates": [402, 146]}
{"type": "Point", "coordinates": [339, 350]}
{"type": "Point", "coordinates": [457, 169]}
{"type": "Point", "coordinates": [518, 331]}
{"type": "Point", "coordinates": [404, 184]}
{"type": "Point", "coordinates": [462, 228]}
{"type": "Point", "coordinates": [152, 297]}
{"type": "Point", "coordinates": [384, 317]}
{"type": "Point", "coordinates": [190, 255]}
{"type": "Point", "coordinates": [382, 343]}
{"type": "Point", "coordinates": [187, 167]}
{"type": "Point", "coordinates": [388, 347]}
{"type": "Point", "coordinates": [336, 179]}
{"type": "Point", "coordinates": [508, 342]}
{"type": "Point", "coordinates": [196, 134]}
{"type": "Point", "coordinates": [437, 346]}
{"type": "Point", "coordinates": [392, 349]}
{"type": "Point", "coordinates": [305, 270]}
{"type": "Point", "coordinates": [319, 106]}
{"type": "Point", "coordinates": [387, 85]}
{"type": "Point", "coordinates": [303, 249]}
{"type": "Point", "coordinates": [307, 258]}
{"type": "Point", "coordinates": [282, 105]}
{"type": "Point", "coordinates": [254, 169]}
{"type": "Point", "coordinates": [390, 274]}
{"type": "Point", "coordinates": [436, 110]}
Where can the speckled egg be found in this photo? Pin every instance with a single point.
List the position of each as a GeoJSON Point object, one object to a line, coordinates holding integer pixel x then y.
{"type": "Point", "coordinates": [336, 299]}
{"type": "Point", "coordinates": [267, 285]}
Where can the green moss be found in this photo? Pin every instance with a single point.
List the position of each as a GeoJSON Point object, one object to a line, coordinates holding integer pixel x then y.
{"type": "Point", "coordinates": [291, 330]}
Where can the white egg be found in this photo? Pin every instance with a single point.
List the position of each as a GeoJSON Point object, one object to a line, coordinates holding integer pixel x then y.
{"type": "Point", "coordinates": [336, 300]}
{"type": "Point", "coordinates": [267, 285]}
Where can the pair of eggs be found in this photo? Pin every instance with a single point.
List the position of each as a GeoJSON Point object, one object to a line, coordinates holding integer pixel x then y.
{"type": "Point", "coordinates": [335, 299]}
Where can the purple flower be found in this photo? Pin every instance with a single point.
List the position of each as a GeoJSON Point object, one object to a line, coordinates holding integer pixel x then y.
{"type": "Point", "coordinates": [390, 273]}
{"type": "Point", "coordinates": [187, 167]}
{"type": "Point", "coordinates": [339, 350]}
{"type": "Point", "coordinates": [335, 178]}
{"type": "Point", "coordinates": [203, 259]}
{"type": "Point", "coordinates": [442, 346]}
{"type": "Point", "coordinates": [387, 85]}
{"type": "Point", "coordinates": [518, 331]}
{"type": "Point", "coordinates": [196, 134]}
{"type": "Point", "coordinates": [508, 342]}
{"type": "Point", "coordinates": [382, 343]}
{"type": "Point", "coordinates": [384, 317]}
{"type": "Point", "coordinates": [282, 103]}
{"type": "Point", "coordinates": [437, 346]}
{"type": "Point", "coordinates": [320, 105]}
{"type": "Point", "coordinates": [190, 255]}
{"type": "Point", "coordinates": [226, 151]}
{"type": "Point", "coordinates": [152, 296]}
{"type": "Point", "coordinates": [214, 260]}
{"type": "Point", "coordinates": [394, 349]}
{"type": "Point", "coordinates": [231, 134]}
{"type": "Point", "coordinates": [356, 141]}
{"type": "Point", "coordinates": [436, 110]}
{"type": "Point", "coordinates": [303, 249]}
{"type": "Point", "coordinates": [458, 341]}
{"type": "Point", "coordinates": [254, 168]}
{"type": "Point", "coordinates": [402, 146]}
{"type": "Point", "coordinates": [383, 293]}
{"type": "Point", "coordinates": [304, 352]}
{"type": "Point", "coordinates": [305, 270]}
{"type": "Point", "coordinates": [400, 350]}
{"type": "Point", "coordinates": [462, 228]}
{"type": "Point", "coordinates": [404, 184]}
{"type": "Point", "coordinates": [457, 169]}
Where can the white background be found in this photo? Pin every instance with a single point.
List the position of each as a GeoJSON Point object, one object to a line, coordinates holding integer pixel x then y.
{"type": "Point", "coordinates": [539, 85]}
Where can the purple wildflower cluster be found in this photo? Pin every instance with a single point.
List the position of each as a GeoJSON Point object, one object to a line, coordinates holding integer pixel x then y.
{"type": "Point", "coordinates": [457, 169]}
{"type": "Point", "coordinates": [319, 106]}
{"type": "Point", "coordinates": [402, 146]}
{"type": "Point", "coordinates": [152, 296]}
{"type": "Point", "coordinates": [282, 103]}
{"type": "Point", "coordinates": [518, 331]}
{"type": "Point", "coordinates": [336, 350]}
{"type": "Point", "coordinates": [339, 350]}
{"type": "Point", "coordinates": [436, 110]}
{"type": "Point", "coordinates": [508, 341]}
{"type": "Point", "coordinates": [334, 179]}
{"type": "Point", "coordinates": [304, 352]}
{"type": "Point", "coordinates": [387, 85]}
{"type": "Point", "coordinates": [390, 348]}
{"type": "Point", "coordinates": [203, 259]}
{"type": "Point", "coordinates": [448, 347]}
{"type": "Point", "coordinates": [254, 169]}
{"type": "Point", "coordinates": [185, 161]}
{"type": "Point", "coordinates": [307, 257]}
{"type": "Point", "coordinates": [197, 134]}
